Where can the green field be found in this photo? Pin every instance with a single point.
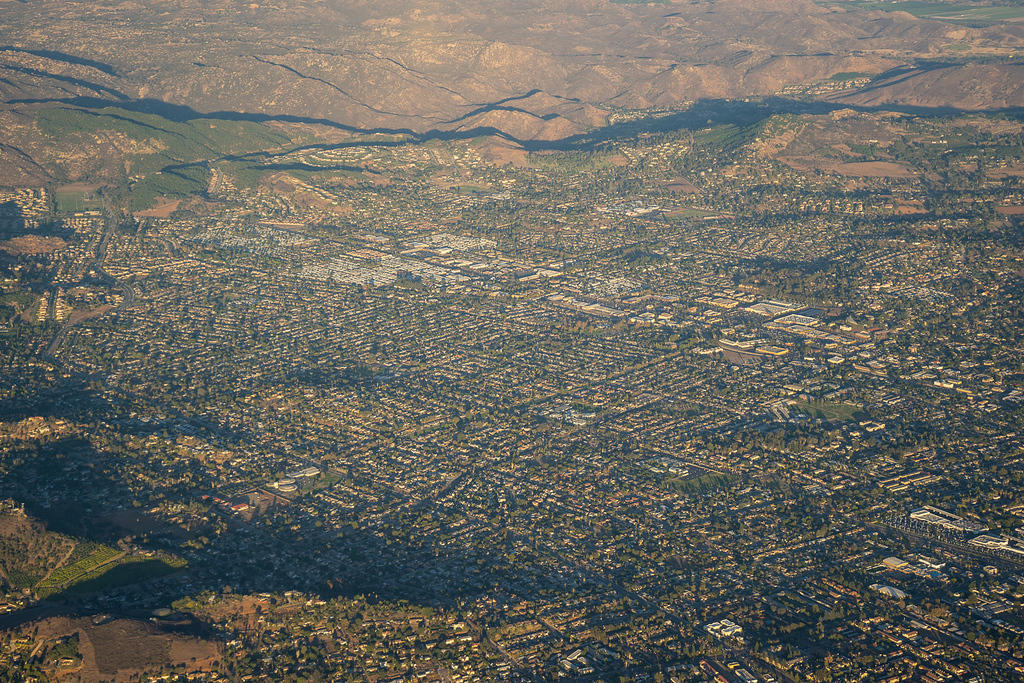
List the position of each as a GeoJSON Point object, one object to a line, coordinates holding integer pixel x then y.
{"type": "Point", "coordinates": [21, 579]}
{"type": "Point", "coordinates": [242, 173]}
{"type": "Point", "coordinates": [179, 183]}
{"type": "Point", "coordinates": [69, 202]}
{"type": "Point", "coordinates": [972, 15]}
{"type": "Point", "coordinates": [690, 212]}
{"type": "Point", "coordinates": [827, 410]}
{"type": "Point", "coordinates": [18, 300]}
{"type": "Point", "coordinates": [472, 189]}
{"type": "Point", "coordinates": [69, 573]}
{"type": "Point", "coordinates": [249, 173]}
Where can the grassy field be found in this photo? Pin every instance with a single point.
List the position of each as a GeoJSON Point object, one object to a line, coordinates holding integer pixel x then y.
{"type": "Point", "coordinates": [726, 136]}
{"type": "Point", "coordinates": [690, 212]}
{"type": "Point", "coordinates": [473, 189]}
{"type": "Point", "coordinates": [179, 183]}
{"type": "Point", "coordinates": [826, 410]}
{"type": "Point", "coordinates": [972, 15]}
{"type": "Point", "coordinates": [242, 173]}
{"type": "Point", "coordinates": [176, 140]}
{"type": "Point", "coordinates": [69, 202]}
{"type": "Point", "coordinates": [16, 302]}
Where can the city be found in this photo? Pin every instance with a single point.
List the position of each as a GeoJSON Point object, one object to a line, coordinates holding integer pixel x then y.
{"type": "Point", "coordinates": [738, 402]}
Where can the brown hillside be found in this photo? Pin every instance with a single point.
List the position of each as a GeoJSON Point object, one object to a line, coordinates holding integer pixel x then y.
{"type": "Point", "coordinates": [431, 65]}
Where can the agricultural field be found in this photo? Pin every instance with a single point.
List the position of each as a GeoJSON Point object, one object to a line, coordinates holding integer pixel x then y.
{"type": "Point", "coordinates": [125, 572]}
{"type": "Point", "coordinates": [50, 563]}
{"type": "Point", "coordinates": [95, 557]}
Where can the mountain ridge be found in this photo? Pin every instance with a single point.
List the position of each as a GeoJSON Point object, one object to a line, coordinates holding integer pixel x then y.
{"type": "Point", "coordinates": [542, 71]}
{"type": "Point", "coordinates": [397, 64]}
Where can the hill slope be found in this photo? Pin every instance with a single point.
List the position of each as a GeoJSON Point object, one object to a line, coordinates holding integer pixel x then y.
{"type": "Point", "coordinates": [430, 65]}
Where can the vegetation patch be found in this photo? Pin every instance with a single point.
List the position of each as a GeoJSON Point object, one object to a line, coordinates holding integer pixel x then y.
{"type": "Point", "coordinates": [706, 482]}
{"type": "Point", "coordinates": [691, 212]}
{"type": "Point", "coordinates": [129, 571]}
{"type": "Point", "coordinates": [162, 157]}
{"type": "Point", "coordinates": [183, 182]}
{"type": "Point", "coordinates": [75, 571]}
{"type": "Point", "coordinates": [69, 202]}
{"type": "Point", "coordinates": [827, 410]}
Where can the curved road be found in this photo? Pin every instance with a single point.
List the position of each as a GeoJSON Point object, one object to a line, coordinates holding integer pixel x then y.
{"type": "Point", "coordinates": [128, 292]}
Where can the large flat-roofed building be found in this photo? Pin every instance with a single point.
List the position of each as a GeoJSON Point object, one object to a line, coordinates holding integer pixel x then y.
{"type": "Point", "coordinates": [1005, 543]}
{"type": "Point", "coordinates": [724, 628]}
{"type": "Point", "coordinates": [797, 319]}
{"type": "Point", "coordinates": [946, 520]}
{"type": "Point", "coordinates": [895, 563]}
{"type": "Point", "coordinates": [771, 308]}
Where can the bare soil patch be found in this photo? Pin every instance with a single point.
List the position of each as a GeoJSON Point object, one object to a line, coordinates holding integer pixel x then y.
{"type": "Point", "coordinates": [503, 154]}
{"type": "Point", "coordinates": [31, 244]}
{"type": "Point", "coordinates": [681, 186]}
{"type": "Point", "coordinates": [79, 316]}
{"type": "Point", "coordinates": [1008, 172]}
{"type": "Point", "coordinates": [909, 208]}
{"type": "Point", "coordinates": [78, 187]}
{"type": "Point", "coordinates": [875, 169]}
{"type": "Point", "coordinates": [122, 648]}
{"type": "Point", "coordinates": [163, 209]}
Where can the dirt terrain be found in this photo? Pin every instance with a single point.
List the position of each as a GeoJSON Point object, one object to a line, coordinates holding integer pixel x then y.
{"type": "Point", "coordinates": [864, 169]}
{"type": "Point", "coordinates": [163, 209]}
{"type": "Point", "coordinates": [538, 70]}
{"type": "Point", "coordinates": [121, 649]}
{"type": "Point", "coordinates": [31, 244]}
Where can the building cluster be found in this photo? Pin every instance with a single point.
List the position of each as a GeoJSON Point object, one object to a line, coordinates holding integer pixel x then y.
{"type": "Point", "coordinates": [710, 414]}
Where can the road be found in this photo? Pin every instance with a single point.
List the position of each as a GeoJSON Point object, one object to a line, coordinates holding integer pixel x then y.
{"type": "Point", "coordinates": [127, 291]}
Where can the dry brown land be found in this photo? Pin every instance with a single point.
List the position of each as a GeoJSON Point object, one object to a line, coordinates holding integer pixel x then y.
{"type": "Point", "coordinates": [501, 154]}
{"type": "Point", "coordinates": [909, 208]}
{"type": "Point", "coordinates": [123, 648]}
{"type": "Point", "coordinates": [682, 186]}
{"type": "Point", "coordinates": [78, 187]}
{"type": "Point", "coordinates": [164, 208]}
{"type": "Point", "coordinates": [79, 316]}
{"type": "Point", "coordinates": [31, 244]}
{"type": "Point", "coordinates": [1008, 172]}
